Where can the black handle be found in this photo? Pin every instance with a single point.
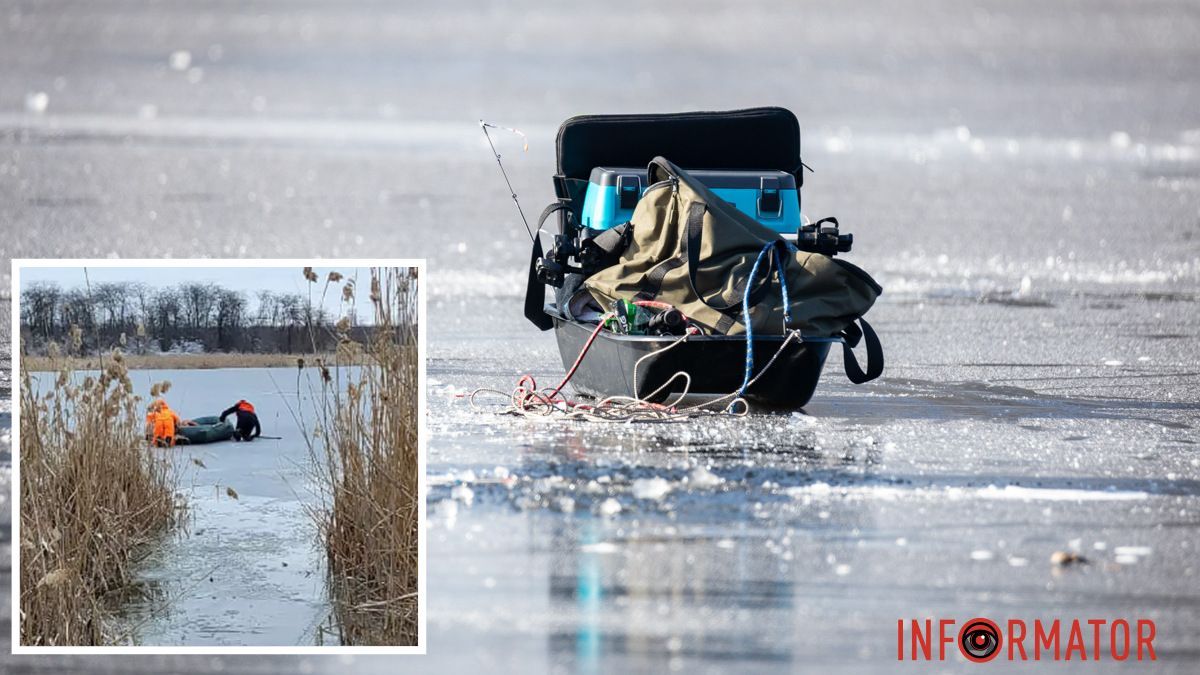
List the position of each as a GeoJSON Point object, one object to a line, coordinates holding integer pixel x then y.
{"type": "Point", "coordinates": [535, 292]}
{"type": "Point", "coordinates": [851, 336]}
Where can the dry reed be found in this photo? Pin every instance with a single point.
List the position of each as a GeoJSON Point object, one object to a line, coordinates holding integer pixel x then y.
{"type": "Point", "coordinates": [367, 469]}
{"type": "Point", "coordinates": [93, 495]}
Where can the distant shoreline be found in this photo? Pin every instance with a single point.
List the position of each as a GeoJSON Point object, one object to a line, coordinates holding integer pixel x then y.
{"type": "Point", "coordinates": [177, 361]}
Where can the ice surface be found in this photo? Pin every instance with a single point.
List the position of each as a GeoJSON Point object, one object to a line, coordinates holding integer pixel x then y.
{"type": "Point", "coordinates": [243, 571]}
{"type": "Point", "coordinates": [997, 426]}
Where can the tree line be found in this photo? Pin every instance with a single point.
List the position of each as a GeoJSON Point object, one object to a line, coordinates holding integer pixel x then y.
{"type": "Point", "coordinates": [185, 317]}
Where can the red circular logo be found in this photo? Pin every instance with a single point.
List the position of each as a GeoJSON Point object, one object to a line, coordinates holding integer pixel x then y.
{"type": "Point", "coordinates": [979, 640]}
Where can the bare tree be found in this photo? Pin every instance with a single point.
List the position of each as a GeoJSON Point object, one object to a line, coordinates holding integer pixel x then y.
{"type": "Point", "coordinates": [230, 315]}
{"type": "Point", "coordinates": [199, 304]}
{"type": "Point", "coordinates": [39, 309]}
{"type": "Point", "coordinates": [76, 310]}
{"type": "Point", "coordinates": [164, 321]}
{"type": "Point", "coordinates": [135, 314]}
{"type": "Point", "coordinates": [113, 301]}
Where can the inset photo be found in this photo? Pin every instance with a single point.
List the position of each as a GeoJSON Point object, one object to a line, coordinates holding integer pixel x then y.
{"type": "Point", "coordinates": [218, 456]}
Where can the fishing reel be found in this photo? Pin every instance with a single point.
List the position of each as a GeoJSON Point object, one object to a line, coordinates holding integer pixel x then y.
{"type": "Point", "coordinates": [552, 268]}
{"type": "Point", "coordinates": [576, 254]}
{"type": "Point", "coordinates": [823, 237]}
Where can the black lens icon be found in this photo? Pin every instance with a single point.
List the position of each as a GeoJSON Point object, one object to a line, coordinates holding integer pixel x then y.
{"type": "Point", "coordinates": [979, 640]}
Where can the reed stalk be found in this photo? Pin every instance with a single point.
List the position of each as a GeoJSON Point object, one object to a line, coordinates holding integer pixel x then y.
{"type": "Point", "coordinates": [93, 497]}
{"type": "Point", "coordinates": [366, 463]}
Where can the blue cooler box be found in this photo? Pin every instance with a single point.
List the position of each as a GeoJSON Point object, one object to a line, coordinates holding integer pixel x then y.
{"type": "Point", "coordinates": [770, 197]}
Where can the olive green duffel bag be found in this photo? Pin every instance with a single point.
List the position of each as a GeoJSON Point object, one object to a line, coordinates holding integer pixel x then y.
{"type": "Point", "coordinates": [720, 267]}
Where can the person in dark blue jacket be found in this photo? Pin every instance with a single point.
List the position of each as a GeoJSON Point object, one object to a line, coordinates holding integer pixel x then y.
{"type": "Point", "coordinates": [248, 427]}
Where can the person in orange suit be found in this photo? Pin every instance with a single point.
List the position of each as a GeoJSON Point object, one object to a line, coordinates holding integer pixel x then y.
{"type": "Point", "coordinates": [162, 423]}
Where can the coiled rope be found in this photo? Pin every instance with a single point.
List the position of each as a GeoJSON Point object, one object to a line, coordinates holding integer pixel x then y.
{"type": "Point", "coordinates": [527, 400]}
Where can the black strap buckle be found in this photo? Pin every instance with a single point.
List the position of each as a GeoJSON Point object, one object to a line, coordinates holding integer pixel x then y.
{"type": "Point", "coordinates": [561, 189]}
{"type": "Point", "coordinates": [629, 190]}
{"type": "Point", "coordinates": [770, 204]}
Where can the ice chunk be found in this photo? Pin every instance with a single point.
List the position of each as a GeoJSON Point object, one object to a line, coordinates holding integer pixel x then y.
{"type": "Point", "coordinates": [818, 489]}
{"type": "Point", "coordinates": [651, 488]}
{"type": "Point", "coordinates": [548, 484]}
{"type": "Point", "coordinates": [805, 419]}
{"type": "Point", "coordinates": [700, 477]}
{"type": "Point", "coordinates": [601, 547]}
{"type": "Point", "coordinates": [608, 507]}
{"type": "Point", "coordinates": [463, 494]}
{"type": "Point", "coordinates": [1136, 551]}
{"type": "Point", "coordinates": [1057, 494]}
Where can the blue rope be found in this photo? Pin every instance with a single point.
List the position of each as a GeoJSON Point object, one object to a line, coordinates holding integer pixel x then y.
{"type": "Point", "coordinates": [787, 309]}
{"type": "Point", "coordinates": [787, 305]}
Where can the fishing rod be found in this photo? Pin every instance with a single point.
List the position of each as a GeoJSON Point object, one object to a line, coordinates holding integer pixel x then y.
{"type": "Point", "coordinates": [551, 268]}
{"type": "Point", "coordinates": [485, 126]}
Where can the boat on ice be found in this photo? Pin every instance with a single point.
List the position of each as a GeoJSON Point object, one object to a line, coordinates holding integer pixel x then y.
{"type": "Point", "coordinates": [204, 430]}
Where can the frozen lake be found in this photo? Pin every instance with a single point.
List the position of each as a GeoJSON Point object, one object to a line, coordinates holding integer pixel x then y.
{"type": "Point", "coordinates": [244, 571]}
{"type": "Point", "coordinates": [1023, 178]}
{"type": "Point", "coordinates": [941, 491]}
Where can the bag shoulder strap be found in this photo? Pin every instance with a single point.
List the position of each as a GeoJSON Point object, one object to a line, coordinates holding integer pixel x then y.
{"type": "Point", "coordinates": [851, 336]}
{"type": "Point", "coordinates": [612, 242]}
{"type": "Point", "coordinates": [692, 239]}
{"type": "Point", "coordinates": [535, 291]}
